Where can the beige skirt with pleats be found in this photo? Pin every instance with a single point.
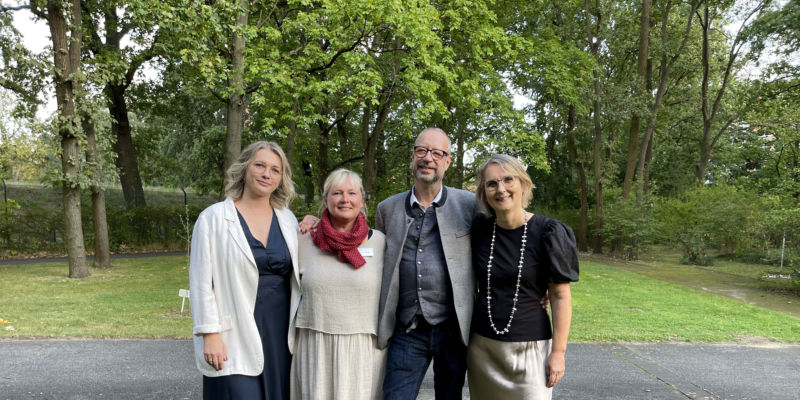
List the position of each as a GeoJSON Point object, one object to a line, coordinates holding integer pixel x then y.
{"type": "Point", "coordinates": [507, 370]}
{"type": "Point", "coordinates": [331, 367]}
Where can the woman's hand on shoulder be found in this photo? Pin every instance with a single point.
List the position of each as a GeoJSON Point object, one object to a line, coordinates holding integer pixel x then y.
{"type": "Point", "coordinates": [214, 350]}
{"type": "Point", "coordinates": [308, 223]}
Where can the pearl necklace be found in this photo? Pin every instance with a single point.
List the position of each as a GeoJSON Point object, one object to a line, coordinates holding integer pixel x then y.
{"type": "Point", "coordinates": [489, 278]}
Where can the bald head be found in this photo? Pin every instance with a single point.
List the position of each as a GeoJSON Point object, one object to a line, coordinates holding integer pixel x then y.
{"type": "Point", "coordinates": [429, 166]}
{"type": "Point", "coordinates": [433, 134]}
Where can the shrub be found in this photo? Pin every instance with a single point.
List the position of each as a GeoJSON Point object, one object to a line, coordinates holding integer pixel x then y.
{"type": "Point", "coordinates": [628, 225]}
{"type": "Point", "coordinates": [695, 251]}
{"type": "Point", "coordinates": [148, 227]}
{"type": "Point", "coordinates": [723, 218]}
{"type": "Point", "coordinates": [27, 230]}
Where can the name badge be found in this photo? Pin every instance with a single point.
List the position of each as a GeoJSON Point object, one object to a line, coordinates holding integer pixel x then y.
{"type": "Point", "coordinates": [366, 252]}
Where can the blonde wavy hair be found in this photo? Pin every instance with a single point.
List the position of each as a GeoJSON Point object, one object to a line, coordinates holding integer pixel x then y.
{"type": "Point", "coordinates": [283, 194]}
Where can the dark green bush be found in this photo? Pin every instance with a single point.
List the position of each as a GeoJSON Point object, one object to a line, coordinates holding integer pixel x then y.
{"type": "Point", "coordinates": [25, 230]}
{"type": "Point", "coordinates": [727, 220]}
{"type": "Point", "coordinates": [695, 251]}
{"type": "Point", "coordinates": [772, 257]}
{"type": "Point", "coordinates": [149, 227]}
{"type": "Point", "coordinates": [40, 230]}
{"type": "Point", "coordinates": [629, 227]}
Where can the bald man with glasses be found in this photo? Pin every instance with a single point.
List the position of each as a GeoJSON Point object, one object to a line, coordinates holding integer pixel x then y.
{"type": "Point", "coordinates": [426, 293]}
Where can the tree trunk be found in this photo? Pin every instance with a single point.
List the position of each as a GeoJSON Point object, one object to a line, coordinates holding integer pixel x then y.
{"type": "Point", "coordinates": [308, 173]}
{"type": "Point", "coordinates": [700, 170]}
{"type": "Point", "coordinates": [583, 189]}
{"type": "Point", "coordinates": [666, 66]}
{"type": "Point", "coordinates": [126, 161]}
{"type": "Point", "coordinates": [235, 102]}
{"type": "Point", "coordinates": [710, 111]}
{"type": "Point", "coordinates": [646, 171]}
{"type": "Point", "coordinates": [102, 254]}
{"type": "Point", "coordinates": [459, 172]}
{"type": "Point", "coordinates": [380, 164]}
{"type": "Point", "coordinates": [374, 139]}
{"type": "Point", "coordinates": [342, 133]}
{"type": "Point", "coordinates": [795, 171]}
{"type": "Point", "coordinates": [323, 162]}
{"type": "Point", "coordinates": [291, 139]}
{"type": "Point", "coordinates": [649, 155]}
{"type": "Point", "coordinates": [368, 172]}
{"type": "Point", "coordinates": [597, 147]}
{"type": "Point", "coordinates": [66, 57]}
{"type": "Point", "coordinates": [597, 159]}
{"type": "Point", "coordinates": [641, 70]}
{"type": "Point", "coordinates": [71, 198]}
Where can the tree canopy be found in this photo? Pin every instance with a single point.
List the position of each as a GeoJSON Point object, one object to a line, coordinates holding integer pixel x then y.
{"type": "Point", "coordinates": [625, 104]}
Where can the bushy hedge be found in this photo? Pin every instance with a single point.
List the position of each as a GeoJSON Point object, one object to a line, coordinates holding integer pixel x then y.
{"type": "Point", "coordinates": [40, 230]}
{"type": "Point", "coordinates": [629, 225]}
{"type": "Point", "coordinates": [728, 220]}
{"type": "Point", "coordinates": [704, 222]}
{"type": "Point", "coordinates": [150, 227]}
{"type": "Point", "coordinates": [29, 230]}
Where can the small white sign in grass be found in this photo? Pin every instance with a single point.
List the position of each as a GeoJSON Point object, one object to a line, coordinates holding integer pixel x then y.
{"type": "Point", "coordinates": [184, 293]}
{"type": "Point", "coordinates": [776, 276]}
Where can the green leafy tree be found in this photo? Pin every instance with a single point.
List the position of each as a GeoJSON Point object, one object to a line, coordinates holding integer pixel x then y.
{"type": "Point", "coordinates": [121, 37]}
{"type": "Point", "coordinates": [64, 21]}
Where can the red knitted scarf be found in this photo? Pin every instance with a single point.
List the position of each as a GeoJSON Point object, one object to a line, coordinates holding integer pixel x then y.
{"type": "Point", "coordinates": [343, 244]}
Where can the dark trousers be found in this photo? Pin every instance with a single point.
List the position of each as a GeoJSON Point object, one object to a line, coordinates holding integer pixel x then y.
{"type": "Point", "coordinates": [410, 354]}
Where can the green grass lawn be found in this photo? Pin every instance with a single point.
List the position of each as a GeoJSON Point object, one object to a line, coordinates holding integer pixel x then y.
{"type": "Point", "coordinates": [138, 298]}
{"type": "Point", "coordinates": [610, 304]}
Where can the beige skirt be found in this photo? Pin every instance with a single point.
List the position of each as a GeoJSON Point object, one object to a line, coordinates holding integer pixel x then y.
{"type": "Point", "coordinates": [507, 370]}
{"type": "Point", "coordinates": [327, 366]}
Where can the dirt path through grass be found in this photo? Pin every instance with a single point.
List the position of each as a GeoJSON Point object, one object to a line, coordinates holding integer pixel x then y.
{"type": "Point", "coordinates": [733, 286]}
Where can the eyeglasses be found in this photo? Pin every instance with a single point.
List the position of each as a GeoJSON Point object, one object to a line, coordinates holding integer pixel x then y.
{"type": "Point", "coordinates": [437, 155]}
{"type": "Point", "coordinates": [494, 184]}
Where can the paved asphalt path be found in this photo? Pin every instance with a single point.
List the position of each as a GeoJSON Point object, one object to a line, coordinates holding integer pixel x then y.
{"type": "Point", "coordinates": [164, 369]}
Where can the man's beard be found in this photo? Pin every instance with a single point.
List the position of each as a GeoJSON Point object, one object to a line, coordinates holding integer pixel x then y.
{"type": "Point", "coordinates": [429, 179]}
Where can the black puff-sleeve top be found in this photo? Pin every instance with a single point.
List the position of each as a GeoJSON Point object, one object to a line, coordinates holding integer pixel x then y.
{"type": "Point", "coordinates": [550, 257]}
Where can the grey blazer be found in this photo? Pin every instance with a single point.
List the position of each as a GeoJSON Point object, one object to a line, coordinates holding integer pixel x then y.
{"type": "Point", "coordinates": [455, 219]}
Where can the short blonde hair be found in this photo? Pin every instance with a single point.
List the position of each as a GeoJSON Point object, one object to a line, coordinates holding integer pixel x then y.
{"type": "Point", "coordinates": [514, 167]}
{"type": "Point", "coordinates": [283, 194]}
{"type": "Point", "coordinates": [336, 178]}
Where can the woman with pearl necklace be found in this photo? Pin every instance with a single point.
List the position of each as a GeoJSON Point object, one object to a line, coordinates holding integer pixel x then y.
{"type": "Point", "coordinates": [518, 258]}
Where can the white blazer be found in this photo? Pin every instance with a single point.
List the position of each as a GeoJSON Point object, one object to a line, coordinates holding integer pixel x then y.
{"type": "Point", "coordinates": [223, 280]}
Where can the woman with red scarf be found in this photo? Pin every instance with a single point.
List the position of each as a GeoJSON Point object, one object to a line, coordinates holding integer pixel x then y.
{"type": "Point", "coordinates": [336, 354]}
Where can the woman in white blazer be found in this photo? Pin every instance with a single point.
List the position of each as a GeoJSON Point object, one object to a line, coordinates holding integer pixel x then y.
{"type": "Point", "coordinates": [244, 280]}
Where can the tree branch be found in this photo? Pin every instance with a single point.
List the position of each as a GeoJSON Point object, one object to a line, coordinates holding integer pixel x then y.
{"type": "Point", "coordinates": [218, 95]}
{"type": "Point", "coordinates": [348, 161]}
{"type": "Point", "coordinates": [721, 131]}
{"type": "Point", "coordinates": [336, 56]}
{"type": "Point", "coordinates": [13, 86]}
{"type": "Point", "coordinates": [137, 61]}
{"type": "Point", "coordinates": [16, 8]}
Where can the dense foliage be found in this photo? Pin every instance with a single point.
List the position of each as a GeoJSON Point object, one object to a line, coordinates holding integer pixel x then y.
{"type": "Point", "coordinates": [669, 121]}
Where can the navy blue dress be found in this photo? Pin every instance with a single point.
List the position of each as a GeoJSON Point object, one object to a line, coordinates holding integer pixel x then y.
{"type": "Point", "coordinates": [272, 319]}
